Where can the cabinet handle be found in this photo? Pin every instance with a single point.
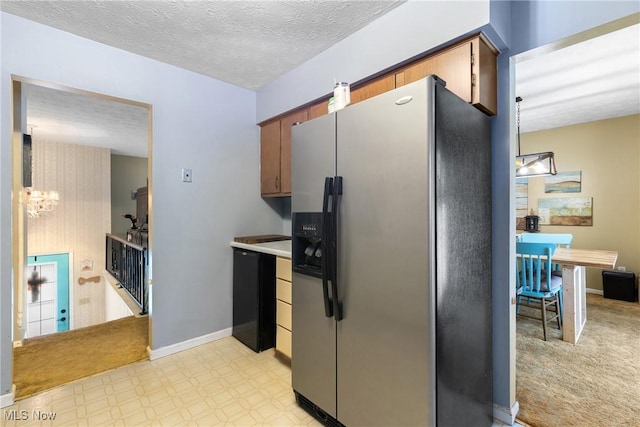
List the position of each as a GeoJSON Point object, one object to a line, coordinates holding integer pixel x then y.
{"type": "Point", "coordinates": [276, 182]}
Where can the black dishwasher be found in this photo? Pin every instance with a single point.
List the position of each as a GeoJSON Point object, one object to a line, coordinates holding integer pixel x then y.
{"type": "Point", "coordinates": [254, 299]}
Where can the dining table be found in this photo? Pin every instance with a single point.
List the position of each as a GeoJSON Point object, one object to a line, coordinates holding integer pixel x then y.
{"type": "Point", "coordinates": [574, 287]}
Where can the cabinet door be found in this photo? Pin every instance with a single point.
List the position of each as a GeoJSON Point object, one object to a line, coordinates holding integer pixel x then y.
{"type": "Point", "coordinates": [270, 158]}
{"type": "Point", "coordinates": [485, 76]}
{"type": "Point", "coordinates": [376, 87]}
{"type": "Point", "coordinates": [452, 65]}
{"type": "Point", "coordinates": [285, 148]}
{"type": "Point", "coordinates": [319, 109]}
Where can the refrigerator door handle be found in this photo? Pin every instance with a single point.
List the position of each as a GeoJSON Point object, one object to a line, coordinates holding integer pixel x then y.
{"type": "Point", "coordinates": [324, 245]}
{"type": "Point", "coordinates": [337, 192]}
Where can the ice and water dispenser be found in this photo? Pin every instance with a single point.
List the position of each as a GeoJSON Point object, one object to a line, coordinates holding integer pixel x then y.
{"type": "Point", "coordinates": [306, 248]}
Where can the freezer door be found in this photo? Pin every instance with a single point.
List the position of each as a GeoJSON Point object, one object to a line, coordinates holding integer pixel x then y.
{"type": "Point", "coordinates": [313, 158]}
{"type": "Point", "coordinates": [386, 357]}
{"type": "Point", "coordinates": [313, 354]}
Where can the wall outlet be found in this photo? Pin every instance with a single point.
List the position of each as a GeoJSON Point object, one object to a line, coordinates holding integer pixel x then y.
{"type": "Point", "coordinates": [186, 175]}
{"type": "Point", "coordinates": [83, 301]}
{"type": "Point", "coordinates": [622, 268]}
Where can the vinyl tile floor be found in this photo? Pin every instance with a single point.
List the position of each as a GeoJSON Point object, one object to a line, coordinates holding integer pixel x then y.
{"type": "Point", "coordinates": [222, 383]}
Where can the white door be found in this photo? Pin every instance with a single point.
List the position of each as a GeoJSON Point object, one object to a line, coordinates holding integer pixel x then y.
{"type": "Point", "coordinates": [42, 290]}
{"type": "Point", "coordinates": [47, 294]}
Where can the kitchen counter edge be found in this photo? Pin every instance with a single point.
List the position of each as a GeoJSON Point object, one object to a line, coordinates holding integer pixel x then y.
{"type": "Point", "coordinates": [280, 248]}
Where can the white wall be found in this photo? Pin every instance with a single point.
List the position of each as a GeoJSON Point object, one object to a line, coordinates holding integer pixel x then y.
{"type": "Point", "coordinates": [198, 123]}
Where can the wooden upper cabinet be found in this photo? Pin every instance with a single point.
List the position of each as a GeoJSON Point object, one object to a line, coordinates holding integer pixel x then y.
{"type": "Point", "coordinates": [318, 109]}
{"type": "Point", "coordinates": [485, 71]}
{"type": "Point", "coordinates": [275, 155]}
{"type": "Point", "coordinates": [469, 69]}
{"type": "Point", "coordinates": [452, 65]}
{"type": "Point", "coordinates": [285, 147]}
{"type": "Point", "coordinates": [366, 91]}
{"type": "Point", "coordinates": [373, 88]}
{"type": "Point", "coordinates": [270, 158]}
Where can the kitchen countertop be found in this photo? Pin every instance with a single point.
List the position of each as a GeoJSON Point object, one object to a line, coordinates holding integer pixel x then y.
{"type": "Point", "coordinates": [280, 248]}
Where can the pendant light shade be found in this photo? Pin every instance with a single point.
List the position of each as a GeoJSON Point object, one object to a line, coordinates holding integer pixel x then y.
{"type": "Point", "coordinates": [536, 164]}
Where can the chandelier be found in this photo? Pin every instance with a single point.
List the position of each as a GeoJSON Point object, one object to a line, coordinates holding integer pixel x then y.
{"type": "Point", "coordinates": [39, 202]}
{"type": "Point", "coordinates": [536, 164]}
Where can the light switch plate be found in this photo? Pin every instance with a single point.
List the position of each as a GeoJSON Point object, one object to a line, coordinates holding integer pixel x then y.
{"type": "Point", "coordinates": [186, 175]}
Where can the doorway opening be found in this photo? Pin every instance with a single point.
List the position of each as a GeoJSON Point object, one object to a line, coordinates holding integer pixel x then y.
{"type": "Point", "coordinates": [74, 135]}
{"type": "Point", "coordinates": [555, 92]}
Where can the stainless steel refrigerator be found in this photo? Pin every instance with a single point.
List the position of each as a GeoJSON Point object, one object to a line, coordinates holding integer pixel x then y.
{"type": "Point", "coordinates": [391, 258]}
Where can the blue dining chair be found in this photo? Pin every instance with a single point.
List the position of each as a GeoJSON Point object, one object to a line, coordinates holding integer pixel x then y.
{"type": "Point", "coordinates": [559, 239]}
{"type": "Point", "coordinates": [536, 286]}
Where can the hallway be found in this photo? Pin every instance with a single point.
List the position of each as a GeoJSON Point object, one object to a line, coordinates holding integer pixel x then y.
{"type": "Point", "coordinates": [49, 361]}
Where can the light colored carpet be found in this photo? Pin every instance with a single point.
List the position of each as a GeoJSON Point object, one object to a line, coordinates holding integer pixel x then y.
{"type": "Point", "coordinates": [593, 383]}
{"type": "Point", "coordinates": [48, 361]}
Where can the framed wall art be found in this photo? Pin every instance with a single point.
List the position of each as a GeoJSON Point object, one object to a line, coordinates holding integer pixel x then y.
{"type": "Point", "coordinates": [566, 211]}
{"type": "Point", "coordinates": [563, 182]}
{"type": "Point", "coordinates": [522, 202]}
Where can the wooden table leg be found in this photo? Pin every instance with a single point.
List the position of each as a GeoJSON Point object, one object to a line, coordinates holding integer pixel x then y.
{"type": "Point", "coordinates": [574, 301]}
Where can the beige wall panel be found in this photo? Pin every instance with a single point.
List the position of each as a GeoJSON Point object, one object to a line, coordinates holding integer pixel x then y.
{"type": "Point", "coordinates": [81, 175]}
{"type": "Point", "coordinates": [607, 152]}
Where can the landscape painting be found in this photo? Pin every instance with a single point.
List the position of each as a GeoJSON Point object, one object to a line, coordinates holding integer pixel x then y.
{"type": "Point", "coordinates": [522, 202]}
{"type": "Point", "coordinates": [563, 182]}
{"type": "Point", "coordinates": [566, 211]}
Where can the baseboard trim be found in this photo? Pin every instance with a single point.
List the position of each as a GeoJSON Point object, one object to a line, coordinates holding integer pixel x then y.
{"type": "Point", "coordinates": [9, 398]}
{"type": "Point", "coordinates": [595, 291]}
{"type": "Point", "coordinates": [506, 415]}
{"type": "Point", "coordinates": [186, 345]}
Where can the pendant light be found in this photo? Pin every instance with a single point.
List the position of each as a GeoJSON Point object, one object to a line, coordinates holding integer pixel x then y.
{"type": "Point", "coordinates": [536, 164]}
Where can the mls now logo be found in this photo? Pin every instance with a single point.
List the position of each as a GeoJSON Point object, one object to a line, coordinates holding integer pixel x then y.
{"type": "Point", "coordinates": [15, 415]}
{"type": "Point", "coordinates": [23, 415]}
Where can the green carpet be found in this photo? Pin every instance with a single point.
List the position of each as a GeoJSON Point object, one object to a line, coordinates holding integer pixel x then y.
{"type": "Point", "coordinates": [593, 383]}
{"type": "Point", "coordinates": [51, 360]}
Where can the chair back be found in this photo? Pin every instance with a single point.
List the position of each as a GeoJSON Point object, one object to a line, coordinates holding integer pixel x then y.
{"type": "Point", "coordinates": [533, 267]}
{"type": "Point", "coordinates": [558, 239]}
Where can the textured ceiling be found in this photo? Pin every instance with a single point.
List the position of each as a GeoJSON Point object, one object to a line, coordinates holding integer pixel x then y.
{"type": "Point", "coordinates": [251, 43]}
{"type": "Point", "coordinates": [59, 116]}
{"type": "Point", "coordinates": [593, 80]}
{"type": "Point", "coordinates": [246, 43]}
